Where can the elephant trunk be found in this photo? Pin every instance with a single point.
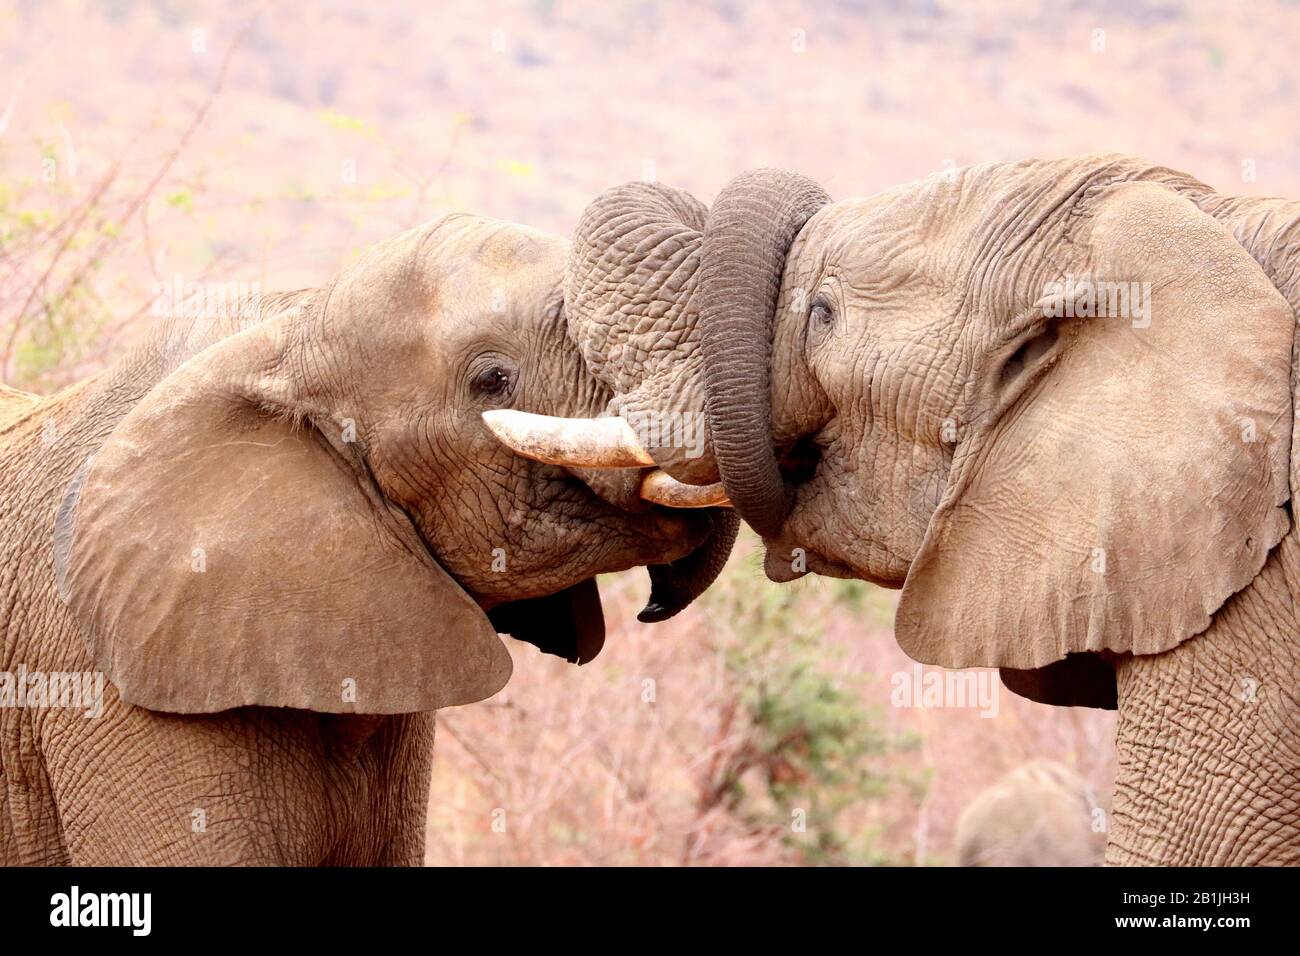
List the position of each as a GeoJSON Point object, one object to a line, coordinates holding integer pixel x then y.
{"type": "Point", "coordinates": [674, 586]}
{"type": "Point", "coordinates": [750, 228]}
{"type": "Point", "coordinates": [630, 301]}
{"type": "Point", "coordinates": [629, 296]}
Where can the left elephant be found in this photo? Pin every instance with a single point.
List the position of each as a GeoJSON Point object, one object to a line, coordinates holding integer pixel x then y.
{"type": "Point", "coordinates": [284, 536]}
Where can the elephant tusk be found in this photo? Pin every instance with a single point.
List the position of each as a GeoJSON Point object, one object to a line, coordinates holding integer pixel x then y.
{"type": "Point", "coordinates": [578, 442]}
{"type": "Point", "coordinates": [663, 489]}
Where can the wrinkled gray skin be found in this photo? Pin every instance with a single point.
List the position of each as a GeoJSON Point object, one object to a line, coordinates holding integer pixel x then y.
{"type": "Point", "coordinates": [410, 346]}
{"type": "Point", "coordinates": [1039, 814]}
{"type": "Point", "coordinates": [1097, 505]}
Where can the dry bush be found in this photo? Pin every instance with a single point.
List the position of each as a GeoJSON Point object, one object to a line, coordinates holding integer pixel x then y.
{"type": "Point", "coordinates": [726, 736]}
{"type": "Point", "coordinates": [766, 700]}
{"type": "Point", "coordinates": [73, 237]}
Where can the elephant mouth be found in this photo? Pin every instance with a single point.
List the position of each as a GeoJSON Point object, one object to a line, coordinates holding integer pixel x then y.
{"type": "Point", "coordinates": [569, 624]}
{"type": "Point", "coordinates": [783, 564]}
{"type": "Point", "coordinates": [693, 522]}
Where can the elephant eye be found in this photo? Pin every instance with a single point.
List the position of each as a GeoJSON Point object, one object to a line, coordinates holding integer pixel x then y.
{"type": "Point", "coordinates": [492, 380]}
{"type": "Point", "coordinates": [821, 313]}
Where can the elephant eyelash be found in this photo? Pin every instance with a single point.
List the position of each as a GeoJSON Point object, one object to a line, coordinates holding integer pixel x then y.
{"type": "Point", "coordinates": [821, 319]}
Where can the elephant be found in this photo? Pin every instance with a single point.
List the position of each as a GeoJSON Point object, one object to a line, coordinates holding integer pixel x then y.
{"type": "Point", "coordinates": [1052, 401]}
{"type": "Point", "coordinates": [1039, 814]}
{"type": "Point", "coordinates": [278, 535]}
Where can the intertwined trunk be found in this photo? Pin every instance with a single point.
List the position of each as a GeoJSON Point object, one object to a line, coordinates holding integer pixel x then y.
{"type": "Point", "coordinates": [751, 227]}
{"type": "Point", "coordinates": [630, 300]}
{"type": "Point", "coordinates": [629, 297]}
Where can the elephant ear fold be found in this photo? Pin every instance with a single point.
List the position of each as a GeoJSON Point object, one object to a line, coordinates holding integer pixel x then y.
{"type": "Point", "coordinates": [220, 554]}
{"type": "Point", "coordinates": [1138, 479]}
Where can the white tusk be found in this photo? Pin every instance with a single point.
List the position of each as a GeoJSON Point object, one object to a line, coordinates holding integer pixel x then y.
{"type": "Point", "coordinates": [580, 442]}
{"type": "Point", "coordinates": [663, 489]}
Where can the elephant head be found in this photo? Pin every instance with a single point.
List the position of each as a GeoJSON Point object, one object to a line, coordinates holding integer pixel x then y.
{"type": "Point", "coordinates": [1054, 402]}
{"type": "Point", "coordinates": [1050, 400]}
{"type": "Point", "coordinates": [304, 507]}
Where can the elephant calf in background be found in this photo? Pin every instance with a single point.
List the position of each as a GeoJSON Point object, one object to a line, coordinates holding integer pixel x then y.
{"type": "Point", "coordinates": [1053, 401]}
{"type": "Point", "coordinates": [1039, 814]}
{"type": "Point", "coordinates": [286, 537]}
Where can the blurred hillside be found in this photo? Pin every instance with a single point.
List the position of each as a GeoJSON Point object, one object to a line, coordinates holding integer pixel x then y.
{"type": "Point", "coordinates": [140, 141]}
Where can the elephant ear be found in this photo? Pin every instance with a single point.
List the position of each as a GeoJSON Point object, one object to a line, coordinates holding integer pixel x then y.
{"type": "Point", "coordinates": [221, 551]}
{"type": "Point", "coordinates": [1136, 481]}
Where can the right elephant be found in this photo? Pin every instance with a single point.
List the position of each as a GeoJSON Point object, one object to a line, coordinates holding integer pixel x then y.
{"type": "Point", "coordinates": [1050, 400]}
{"type": "Point", "coordinates": [1053, 402]}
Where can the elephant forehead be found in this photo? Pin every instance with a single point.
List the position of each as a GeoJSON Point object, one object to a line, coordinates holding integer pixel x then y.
{"type": "Point", "coordinates": [499, 280]}
{"type": "Point", "coordinates": [875, 246]}
{"type": "Point", "coordinates": [507, 246]}
{"type": "Point", "coordinates": [472, 250]}
{"type": "Point", "coordinates": [458, 254]}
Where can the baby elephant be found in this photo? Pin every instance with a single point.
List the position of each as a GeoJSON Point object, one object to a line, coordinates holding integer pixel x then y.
{"type": "Point", "coordinates": [1039, 814]}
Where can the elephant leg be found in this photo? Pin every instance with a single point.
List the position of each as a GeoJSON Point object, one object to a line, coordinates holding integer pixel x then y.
{"type": "Point", "coordinates": [387, 824]}
{"type": "Point", "coordinates": [245, 787]}
{"type": "Point", "coordinates": [30, 833]}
